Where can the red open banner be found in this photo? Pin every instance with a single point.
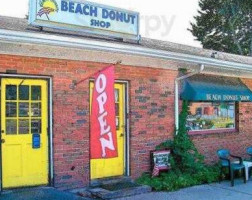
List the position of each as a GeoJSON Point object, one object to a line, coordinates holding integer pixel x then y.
{"type": "Point", "coordinates": [103, 141]}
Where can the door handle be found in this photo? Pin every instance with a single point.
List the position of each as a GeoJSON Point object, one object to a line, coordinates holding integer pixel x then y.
{"type": "Point", "coordinates": [2, 141]}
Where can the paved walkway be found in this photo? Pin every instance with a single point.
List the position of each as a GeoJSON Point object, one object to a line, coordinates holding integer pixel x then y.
{"type": "Point", "coordinates": [41, 193]}
{"type": "Point", "coordinates": [215, 191]}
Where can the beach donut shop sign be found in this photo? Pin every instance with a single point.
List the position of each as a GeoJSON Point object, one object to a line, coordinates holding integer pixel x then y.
{"type": "Point", "coordinates": [84, 16]}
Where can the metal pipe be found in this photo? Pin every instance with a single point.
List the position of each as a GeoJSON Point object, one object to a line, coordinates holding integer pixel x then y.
{"type": "Point", "coordinates": [51, 131]}
{"type": "Point", "coordinates": [177, 80]}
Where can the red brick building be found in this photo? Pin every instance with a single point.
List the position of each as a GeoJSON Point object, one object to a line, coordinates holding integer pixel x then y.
{"type": "Point", "coordinates": [146, 75]}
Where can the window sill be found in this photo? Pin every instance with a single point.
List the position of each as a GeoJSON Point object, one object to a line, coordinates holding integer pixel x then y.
{"type": "Point", "coordinates": [207, 132]}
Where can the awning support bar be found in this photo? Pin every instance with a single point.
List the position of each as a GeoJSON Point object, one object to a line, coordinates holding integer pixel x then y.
{"type": "Point", "coordinates": [177, 80]}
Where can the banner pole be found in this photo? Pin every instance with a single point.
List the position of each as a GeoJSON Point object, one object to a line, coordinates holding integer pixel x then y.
{"type": "Point", "coordinates": [75, 84]}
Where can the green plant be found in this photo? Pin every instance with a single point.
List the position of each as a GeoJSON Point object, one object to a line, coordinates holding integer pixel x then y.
{"type": "Point", "coordinates": [187, 163]}
{"type": "Point", "coordinates": [174, 179]}
{"type": "Point", "coordinates": [230, 125]}
{"type": "Point", "coordinates": [206, 123]}
{"type": "Point", "coordinates": [222, 25]}
{"type": "Point", "coordinates": [186, 156]}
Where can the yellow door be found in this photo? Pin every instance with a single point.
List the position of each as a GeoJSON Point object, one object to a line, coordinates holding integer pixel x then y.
{"type": "Point", "coordinates": [24, 114]}
{"type": "Point", "coordinates": [102, 168]}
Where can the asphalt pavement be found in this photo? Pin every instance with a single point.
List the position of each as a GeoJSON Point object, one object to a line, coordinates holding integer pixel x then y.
{"type": "Point", "coordinates": [38, 193]}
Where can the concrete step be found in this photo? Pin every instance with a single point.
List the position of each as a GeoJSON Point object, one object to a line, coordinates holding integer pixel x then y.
{"type": "Point", "coordinates": [118, 189]}
{"type": "Point", "coordinates": [83, 192]}
{"type": "Point", "coordinates": [111, 180]}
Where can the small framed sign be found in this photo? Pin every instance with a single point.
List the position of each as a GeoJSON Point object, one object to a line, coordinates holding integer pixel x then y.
{"type": "Point", "coordinates": [36, 141]}
{"type": "Point", "coordinates": [160, 160]}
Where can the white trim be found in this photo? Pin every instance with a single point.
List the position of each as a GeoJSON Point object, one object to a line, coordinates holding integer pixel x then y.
{"type": "Point", "coordinates": [94, 45]}
{"type": "Point", "coordinates": [51, 131]}
{"type": "Point", "coordinates": [128, 128]}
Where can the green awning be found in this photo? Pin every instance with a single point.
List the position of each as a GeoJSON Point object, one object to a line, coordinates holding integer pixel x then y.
{"type": "Point", "coordinates": [215, 88]}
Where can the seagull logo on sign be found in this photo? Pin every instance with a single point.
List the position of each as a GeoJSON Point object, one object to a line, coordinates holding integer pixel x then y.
{"type": "Point", "coordinates": [47, 7]}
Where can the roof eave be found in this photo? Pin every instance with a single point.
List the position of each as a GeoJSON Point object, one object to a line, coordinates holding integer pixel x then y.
{"type": "Point", "coordinates": [95, 45]}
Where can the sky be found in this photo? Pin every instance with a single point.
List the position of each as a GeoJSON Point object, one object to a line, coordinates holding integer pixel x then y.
{"type": "Point", "coordinates": [160, 19]}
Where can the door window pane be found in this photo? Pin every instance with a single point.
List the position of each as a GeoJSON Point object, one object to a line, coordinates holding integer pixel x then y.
{"type": "Point", "coordinates": [116, 95]}
{"type": "Point", "coordinates": [117, 123]}
{"type": "Point", "coordinates": [11, 126]}
{"type": "Point", "coordinates": [36, 92]}
{"type": "Point", "coordinates": [117, 109]}
{"type": "Point", "coordinates": [36, 109]}
{"type": "Point", "coordinates": [36, 125]}
{"type": "Point", "coordinates": [23, 126]}
{"type": "Point", "coordinates": [11, 92]}
{"type": "Point", "coordinates": [23, 92]}
{"type": "Point", "coordinates": [23, 109]}
{"type": "Point", "coordinates": [11, 109]}
{"type": "Point", "coordinates": [211, 115]}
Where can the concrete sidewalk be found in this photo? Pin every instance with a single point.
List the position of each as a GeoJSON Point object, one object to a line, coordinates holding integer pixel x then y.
{"type": "Point", "coordinates": [39, 193]}
{"type": "Point", "coordinates": [215, 191]}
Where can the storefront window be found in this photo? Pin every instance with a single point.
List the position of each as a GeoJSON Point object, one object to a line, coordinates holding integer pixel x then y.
{"type": "Point", "coordinates": [211, 116]}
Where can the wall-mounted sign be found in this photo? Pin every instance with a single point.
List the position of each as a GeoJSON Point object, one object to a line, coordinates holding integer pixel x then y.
{"type": "Point", "coordinates": [84, 16]}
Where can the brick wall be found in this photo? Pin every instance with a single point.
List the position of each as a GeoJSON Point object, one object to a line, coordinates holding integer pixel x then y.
{"type": "Point", "coordinates": [151, 100]}
{"type": "Point", "coordinates": [151, 114]}
{"type": "Point", "coordinates": [151, 104]}
{"type": "Point", "coordinates": [237, 142]}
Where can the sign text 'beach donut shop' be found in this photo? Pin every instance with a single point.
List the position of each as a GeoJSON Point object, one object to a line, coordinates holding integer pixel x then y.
{"type": "Point", "coordinates": [84, 16]}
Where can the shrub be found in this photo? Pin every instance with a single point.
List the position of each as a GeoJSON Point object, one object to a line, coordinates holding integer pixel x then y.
{"type": "Point", "coordinates": [174, 180]}
{"type": "Point", "coordinates": [187, 163]}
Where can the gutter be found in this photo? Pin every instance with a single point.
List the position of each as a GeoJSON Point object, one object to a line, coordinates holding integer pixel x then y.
{"type": "Point", "coordinates": [177, 80]}
{"type": "Point", "coordinates": [87, 44]}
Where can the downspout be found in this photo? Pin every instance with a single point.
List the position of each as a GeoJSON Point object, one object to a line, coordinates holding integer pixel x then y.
{"type": "Point", "coordinates": [177, 80]}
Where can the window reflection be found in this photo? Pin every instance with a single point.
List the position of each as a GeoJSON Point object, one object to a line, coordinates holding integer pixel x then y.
{"type": "Point", "coordinates": [11, 126]}
{"type": "Point", "coordinates": [23, 126]}
{"type": "Point", "coordinates": [116, 95]}
{"type": "Point", "coordinates": [23, 109]}
{"type": "Point", "coordinates": [211, 115]}
{"type": "Point", "coordinates": [36, 109]}
{"type": "Point", "coordinates": [23, 92]}
{"type": "Point", "coordinates": [11, 109]}
{"type": "Point", "coordinates": [36, 92]}
{"type": "Point", "coordinates": [11, 92]}
{"type": "Point", "coordinates": [36, 126]}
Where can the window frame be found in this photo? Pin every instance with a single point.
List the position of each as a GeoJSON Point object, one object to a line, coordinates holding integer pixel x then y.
{"type": "Point", "coordinates": [220, 130]}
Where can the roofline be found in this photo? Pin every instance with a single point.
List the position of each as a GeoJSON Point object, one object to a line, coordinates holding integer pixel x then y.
{"type": "Point", "coordinates": [87, 44]}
